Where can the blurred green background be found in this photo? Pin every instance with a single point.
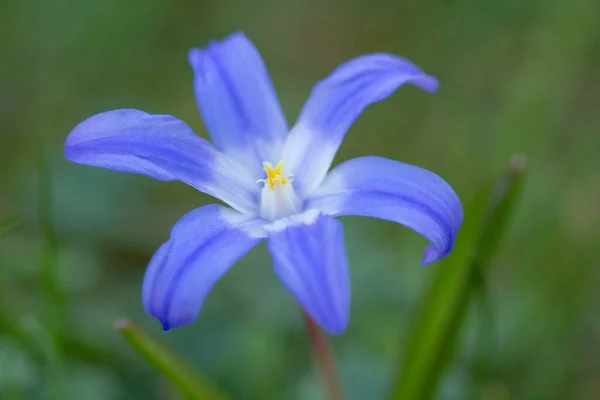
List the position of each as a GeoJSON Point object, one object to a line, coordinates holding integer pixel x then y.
{"type": "Point", "coordinates": [515, 77]}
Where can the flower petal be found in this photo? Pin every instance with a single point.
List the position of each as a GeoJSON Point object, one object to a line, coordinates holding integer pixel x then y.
{"type": "Point", "coordinates": [203, 245]}
{"type": "Point", "coordinates": [387, 189]}
{"type": "Point", "coordinates": [164, 148]}
{"type": "Point", "coordinates": [309, 257]}
{"type": "Point", "coordinates": [335, 103]}
{"type": "Point", "coordinates": [237, 100]}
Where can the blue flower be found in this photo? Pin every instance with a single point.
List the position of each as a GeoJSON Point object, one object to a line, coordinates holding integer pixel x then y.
{"type": "Point", "coordinates": [274, 178]}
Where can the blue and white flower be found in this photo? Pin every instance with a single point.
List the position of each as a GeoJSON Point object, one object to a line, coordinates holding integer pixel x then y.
{"type": "Point", "coordinates": [274, 179]}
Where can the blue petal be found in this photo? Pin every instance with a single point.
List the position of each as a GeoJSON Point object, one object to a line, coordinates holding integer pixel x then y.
{"type": "Point", "coordinates": [387, 189]}
{"type": "Point", "coordinates": [309, 257]}
{"type": "Point", "coordinates": [335, 103]}
{"type": "Point", "coordinates": [203, 245]}
{"type": "Point", "coordinates": [237, 101]}
{"type": "Point", "coordinates": [164, 148]}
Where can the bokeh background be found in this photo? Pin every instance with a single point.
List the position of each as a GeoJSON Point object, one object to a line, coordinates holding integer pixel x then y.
{"type": "Point", "coordinates": [516, 77]}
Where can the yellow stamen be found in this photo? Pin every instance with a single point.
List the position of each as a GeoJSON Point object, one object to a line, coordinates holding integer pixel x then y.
{"type": "Point", "coordinates": [274, 175]}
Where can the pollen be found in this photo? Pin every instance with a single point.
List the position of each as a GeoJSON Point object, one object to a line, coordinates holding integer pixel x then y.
{"type": "Point", "coordinates": [275, 175]}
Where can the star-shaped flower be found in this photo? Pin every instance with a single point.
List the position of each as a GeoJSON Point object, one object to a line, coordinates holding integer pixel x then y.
{"type": "Point", "coordinates": [274, 178]}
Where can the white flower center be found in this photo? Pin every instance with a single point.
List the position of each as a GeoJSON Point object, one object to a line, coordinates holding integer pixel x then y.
{"type": "Point", "coordinates": [277, 197]}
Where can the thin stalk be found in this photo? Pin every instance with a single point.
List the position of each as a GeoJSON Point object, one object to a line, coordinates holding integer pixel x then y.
{"type": "Point", "coordinates": [324, 358]}
{"type": "Point", "coordinates": [182, 376]}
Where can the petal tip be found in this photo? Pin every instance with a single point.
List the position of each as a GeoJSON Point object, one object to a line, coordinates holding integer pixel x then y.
{"type": "Point", "coordinates": [194, 57]}
{"type": "Point", "coordinates": [430, 255]}
{"type": "Point", "coordinates": [195, 54]}
{"type": "Point", "coordinates": [236, 35]}
{"type": "Point", "coordinates": [165, 325]}
{"type": "Point", "coordinates": [336, 329]}
{"type": "Point", "coordinates": [427, 82]}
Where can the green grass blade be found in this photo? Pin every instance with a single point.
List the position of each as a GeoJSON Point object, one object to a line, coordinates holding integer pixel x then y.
{"type": "Point", "coordinates": [431, 342]}
{"type": "Point", "coordinates": [191, 383]}
{"type": "Point", "coordinates": [49, 282]}
{"type": "Point", "coordinates": [503, 198]}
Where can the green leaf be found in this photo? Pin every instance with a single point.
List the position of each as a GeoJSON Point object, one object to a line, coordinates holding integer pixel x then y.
{"type": "Point", "coordinates": [179, 373]}
{"type": "Point", "coordinates": [432, 338]}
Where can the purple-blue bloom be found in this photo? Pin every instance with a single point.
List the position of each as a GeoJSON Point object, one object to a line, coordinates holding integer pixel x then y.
{"type": "Point", "coordinates": [275, 179]}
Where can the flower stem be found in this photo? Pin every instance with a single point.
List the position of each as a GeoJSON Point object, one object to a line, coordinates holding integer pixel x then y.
{"type": "Point", "coordinates": [324, 357]}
